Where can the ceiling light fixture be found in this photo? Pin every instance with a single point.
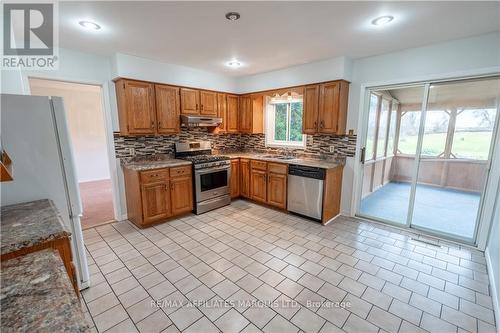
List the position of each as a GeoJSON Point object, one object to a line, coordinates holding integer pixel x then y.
{"type": "Point", "coordinates": [233, 16]}
{"type": "Point", "coordinates": [90, 25]}
{"type": "Point", "coordinates": [382, 20]}
{"type": "Point", "coordinates": [233, 64]}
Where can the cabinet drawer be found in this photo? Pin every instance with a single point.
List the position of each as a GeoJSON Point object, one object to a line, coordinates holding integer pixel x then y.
{"type": "Point", "coordinates": [277, 168]}
{"type": "Point", "coordinates": [180, 171]}
{"type": "Point", "coordinates": [260, 165]}
{"type": "Point", "coordinates": [152, 176]}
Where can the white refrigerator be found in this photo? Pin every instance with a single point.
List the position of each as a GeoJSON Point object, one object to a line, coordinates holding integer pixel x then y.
{"type": "Point", "coordinates": [34, 132]}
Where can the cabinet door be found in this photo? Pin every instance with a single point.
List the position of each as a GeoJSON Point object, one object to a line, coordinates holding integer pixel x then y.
{"type": "Point", "coordinates": [140, 106]}
{"type": "Point", "coordinates": [190, 101]}
{"type": "Point", "coordinates": [232, 114]}
{"type": "Point", "coordinates": [245, 114]}
{"type": "Point", "coordinates": [329, 107]}
{"type": "Point", "coordinates": [167, 109]}
{"type": "Point", "coordinates": [258, 185]}
{"type": "Point", "coordinates": [235, 178]}
{"type": "Point", "coordinates": [222, 112]}
{"type": "Point", "coordinates": [182, 195]}
{"type": "Point", "coordinates": [245, 178]}
{"type": "Point", "coordinates": [155, 201]}
{"type": "Point", "coordinates": [310, 117]}
{"type": "Point", "coordinates": [208, 100]}
{"type": "Point", "coordinates": [276, 190]}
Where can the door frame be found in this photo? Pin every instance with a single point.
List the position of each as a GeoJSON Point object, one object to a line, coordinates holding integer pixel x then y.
{"type": "Point", "coordinates": [487, 203]}
{"type": "Point", "coordinates": [108, 129]}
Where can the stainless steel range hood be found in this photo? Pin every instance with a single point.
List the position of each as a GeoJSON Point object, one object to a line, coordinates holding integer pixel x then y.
{"type": "Point", "coordinates": [200, 121]}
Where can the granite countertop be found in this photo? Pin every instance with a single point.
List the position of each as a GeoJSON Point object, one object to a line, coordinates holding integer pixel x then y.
{"type": "Point", "coordinates": [325, 164]}
{"type": "Point", "coordinates": [150, 162]}
{"type": "Point", "coordinates": [30, 223]}
{"type": "Point", "coordinates": [36, 295]}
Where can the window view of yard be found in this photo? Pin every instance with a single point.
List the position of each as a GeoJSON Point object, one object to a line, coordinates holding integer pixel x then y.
{"type": "Point", "coordinates": [287, 120]}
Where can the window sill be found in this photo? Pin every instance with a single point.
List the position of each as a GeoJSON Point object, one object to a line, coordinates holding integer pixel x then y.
{"type": "Point", "coordinates": [284, 145]}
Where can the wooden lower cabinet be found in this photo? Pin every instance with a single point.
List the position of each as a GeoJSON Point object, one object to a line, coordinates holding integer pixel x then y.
{"type": "Point", "coordinates": [181, 194]}
{"type": "Point", "coordinates": [245, 177]}
{"type": "Point", "coordinates": [235, 178]}
{"type": "Point", "coordinates": [258, 185]}
{"type": "Point", "coordinates": [155, 201]}
{"type": "Point", "coordinates": [277, 185]}
{"type": "Point", "coordinates": [156, 195]}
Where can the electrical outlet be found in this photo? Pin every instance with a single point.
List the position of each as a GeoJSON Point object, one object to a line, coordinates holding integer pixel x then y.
{"type": "Point", "coordinates": [332, 149]}
{"type": "Point", "coordinates": [131, 151]}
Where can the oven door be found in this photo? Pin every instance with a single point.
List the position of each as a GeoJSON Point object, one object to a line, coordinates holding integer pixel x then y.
{"type": "Point", "coordinates": [212, 183]}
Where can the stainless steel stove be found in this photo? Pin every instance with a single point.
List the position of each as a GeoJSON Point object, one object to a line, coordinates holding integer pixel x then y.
{"type": "Point", "coordinates": [211, 175]}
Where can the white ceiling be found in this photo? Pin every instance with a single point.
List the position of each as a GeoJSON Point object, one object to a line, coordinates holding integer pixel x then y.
{"type": "Point", "coordinates": [269, 35]}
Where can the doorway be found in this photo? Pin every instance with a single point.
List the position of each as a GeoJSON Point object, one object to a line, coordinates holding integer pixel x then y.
{"type": "Point", "coordinates": [84, 111]}
{"type": "Point", "coordinates": [427, 153]}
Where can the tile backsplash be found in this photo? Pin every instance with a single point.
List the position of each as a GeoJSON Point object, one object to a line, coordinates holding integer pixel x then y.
{"type": "Point", "coordinates": [317, 146]}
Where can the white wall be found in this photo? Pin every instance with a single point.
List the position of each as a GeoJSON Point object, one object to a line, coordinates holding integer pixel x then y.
{"type": "Point", "coordinates": [456, 58]}
{"type": "Point", "coordinates": [493, 257]}
{"type": "Point", "coordinates": [326, 70]}
{"type": "Point", "coordinates": [150, 70]}
{"type": "Point", "coordinates": [86, 125]}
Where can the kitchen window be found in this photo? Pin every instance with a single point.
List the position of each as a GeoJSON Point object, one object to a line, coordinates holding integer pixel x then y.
{"type": "Point", "coordinates": [284, 122]}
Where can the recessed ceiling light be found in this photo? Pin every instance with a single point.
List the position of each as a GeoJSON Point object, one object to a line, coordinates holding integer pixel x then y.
{"type": "Point", "coordinates": [233, 64]}
{"type": "Point", "coordinates": [90, 25]}
{"type": "Point", "coordinates": [382, 20]}
{"type": "Point", "coordinates": [233, 16]}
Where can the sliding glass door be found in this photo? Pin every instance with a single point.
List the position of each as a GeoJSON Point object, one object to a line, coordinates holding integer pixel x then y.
{"type": "Point", "coordinates": [454, 159]}
{"type": "Point", "coordinates": [391, 145]}
{"type": "Point", "coordinates": [427, 155]}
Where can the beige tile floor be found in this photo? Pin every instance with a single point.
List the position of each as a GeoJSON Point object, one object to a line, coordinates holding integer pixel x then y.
{"type": "Point", "coordinates": [247, 268]}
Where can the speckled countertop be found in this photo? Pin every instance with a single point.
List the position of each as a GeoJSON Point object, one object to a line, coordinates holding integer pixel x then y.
{"type": "Point", "coordinates": [325, 164]}
{"type": "Point", "coordinates": [37, 296]}
{"type": "Point", "coordinates": [141, 163]}
{"type": "Point", "coordinates": [30, 223]}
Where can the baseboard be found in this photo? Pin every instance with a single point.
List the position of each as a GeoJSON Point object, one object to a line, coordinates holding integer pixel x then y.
{"type": "Point", "coordinates": [495, 300]}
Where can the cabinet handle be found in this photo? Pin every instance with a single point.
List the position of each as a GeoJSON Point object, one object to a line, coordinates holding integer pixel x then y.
{"type": "Point", "coordinates": [315, 124]}
{"type": "Point", "coordinates": [321, 124]}
{"type": "Point", "coordinates": [166, 187]}
{"type": "Point", "coordinates": [201, 107]}
{"type": "Point", "coordinates": [159, 124]}
{"type": "Point", "coordinates": [152, 124]}
{"type": "Point", "coordinates": [196, 106]}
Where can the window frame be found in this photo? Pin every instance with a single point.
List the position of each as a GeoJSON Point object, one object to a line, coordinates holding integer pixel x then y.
{"type": "Point", "coordinates": [270, 126]}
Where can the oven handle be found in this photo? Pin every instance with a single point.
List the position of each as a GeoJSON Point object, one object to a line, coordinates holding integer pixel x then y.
{"type": "Point", "coordinates": [205, 171]}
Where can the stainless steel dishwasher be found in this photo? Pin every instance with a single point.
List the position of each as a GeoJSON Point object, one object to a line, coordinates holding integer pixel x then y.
{"type": "Point", "coordinates": [305, 190]}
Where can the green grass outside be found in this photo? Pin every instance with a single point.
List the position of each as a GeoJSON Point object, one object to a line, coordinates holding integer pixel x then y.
{"type": "Point", "coordinates": [472, 145]}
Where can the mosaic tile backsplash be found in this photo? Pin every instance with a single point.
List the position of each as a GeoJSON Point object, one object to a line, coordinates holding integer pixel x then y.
{"type": "Point", "coordinates": [317, 146]}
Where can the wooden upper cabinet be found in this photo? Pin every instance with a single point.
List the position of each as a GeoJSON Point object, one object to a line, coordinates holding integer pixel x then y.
{"type": "Point", "coordinates": [167, 109]}
{"type": "Point", "coordinates": [155, 201]}
{"type": "Point", "coordinates": [208, 103]}
{"type": "Point", "coordinates": [222, 112]}
{"type": "Point", "coordinates": [232, 114]}
{"type": "Point", "coordinates": [136, 107]}
{"type": "Point", "coordinates": [190, 101]}
{"type": "Point", "coordinates": [332, 113]}
{"type": "Point", "coordinates": [251, 114]}
{"type": "Point", "coordinates": [245, 114]}
{"type": "Point", "coordinates": [244, 178]}
{"type": "Point", "coordinates": [310, 117]}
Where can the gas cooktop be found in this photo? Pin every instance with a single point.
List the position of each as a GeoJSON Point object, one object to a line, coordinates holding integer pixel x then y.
{"type": "Point", "coordinates": [197, 159]}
